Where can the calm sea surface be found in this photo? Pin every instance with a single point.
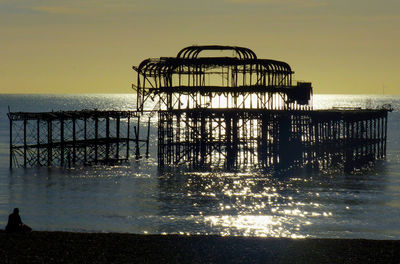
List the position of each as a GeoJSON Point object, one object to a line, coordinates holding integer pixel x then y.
{"type": "Point", "coordinates": [138, 198]}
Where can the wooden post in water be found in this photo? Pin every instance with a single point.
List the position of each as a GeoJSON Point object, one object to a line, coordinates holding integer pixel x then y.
{"type": "Point", "coordinates": [263, 140]}
{"type": "Point", "coordinates": [49, 142]}
{"type": "Point", "coordinates": [203, 139]}
{"type": "Point", "coordinates": [11, 142]}
{"type": "Point", "coordinates": [128, 137]}
{"type": "Point", "coordinates": [107, 138]}
{"type": "Point", "coordinates": [382, 137]}
{"type": "Point", "coordinates": [379, 137]}
{"type": "Point", "coordinates": [62, 142]}
{"type": "Point", "coordinates": [285, 155]}
{"type": "Point", "coordinates": [96, 138]}
{"type": "Point", "coordinates": [38, 142]}
{"type": "Point", "coordinates": [235, 139]}
{"type": "Point", "coordinates": [137, 131]}
{"type": "Point", "coordinates": [148, 138]}
{"type": "Point", "coordinates": [161, 140]}
{"type": "Point", "coordinates": [25, 146]}
{"type": "Point", "coordinates": [118, 138]}
{"type": "Point", "coordinates": [85, 138]}
{"type": "Point", "coordinates": [229, 154]}
{"type": "Point", "coordinates": [74, 141]}
{"type": "Point", "coordinates": [385, 137]}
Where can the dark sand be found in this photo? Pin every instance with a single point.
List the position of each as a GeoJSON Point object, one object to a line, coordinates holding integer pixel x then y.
{"type": "Point", "coordinates": [64, 247]}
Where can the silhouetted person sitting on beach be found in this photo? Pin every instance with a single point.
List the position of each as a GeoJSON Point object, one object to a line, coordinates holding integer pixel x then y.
{"type": "Point", "coordinates": [15, 224]}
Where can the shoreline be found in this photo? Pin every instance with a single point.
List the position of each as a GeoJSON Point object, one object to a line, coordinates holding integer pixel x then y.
{"type": "Point", "coordinates": [70, 247]}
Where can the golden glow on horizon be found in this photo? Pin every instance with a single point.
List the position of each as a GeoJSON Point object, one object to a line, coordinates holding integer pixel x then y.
{"type": "Point", "coordinates": [54, 47]}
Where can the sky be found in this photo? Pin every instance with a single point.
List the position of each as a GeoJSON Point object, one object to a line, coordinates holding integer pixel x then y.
{"type": "Point", "coordinates": [78, 46]}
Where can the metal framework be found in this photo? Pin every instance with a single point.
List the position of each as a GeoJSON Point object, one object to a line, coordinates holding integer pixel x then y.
{"type": "Point", "coordinates": [235, 111]}
{"type": "Point", "coordinates": [190, 81]}
{"type": "Point", "coordinates": [213, 112]}
{"type": "Point", "coordinates": [273, 139]}
{"type": "Point", "coordinates": [69, 138]}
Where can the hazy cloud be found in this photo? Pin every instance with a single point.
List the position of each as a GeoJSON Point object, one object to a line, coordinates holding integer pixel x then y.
{"type": "Point", "coordinates": [58, 10]}
{"type": "Point", "coordinates": [308, 3]}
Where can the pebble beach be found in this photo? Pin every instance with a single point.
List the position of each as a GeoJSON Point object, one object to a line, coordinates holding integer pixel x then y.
{"type": "Point", "coordinates": [67, 247]}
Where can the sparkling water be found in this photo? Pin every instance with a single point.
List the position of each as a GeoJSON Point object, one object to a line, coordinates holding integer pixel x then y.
{"type": "Point", "coordinates": [137, 197]}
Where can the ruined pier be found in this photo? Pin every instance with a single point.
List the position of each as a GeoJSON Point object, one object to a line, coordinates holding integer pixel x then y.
{"type": "Point", "coordinates": [218, 107]}
{"type": "Point", "coordinates": [222, 107]}
{"type": "Point", "coordinates": [69, 138]}
{"type": "Point", "coordinates": [275, 139]}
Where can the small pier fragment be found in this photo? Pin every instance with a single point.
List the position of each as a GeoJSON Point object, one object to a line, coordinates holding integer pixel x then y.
{"type": "Point", "coordinates": [69, 138]}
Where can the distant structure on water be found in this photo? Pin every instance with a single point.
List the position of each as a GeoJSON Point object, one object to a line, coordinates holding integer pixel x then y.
{"type": "Point", "coordinates": [221, 107]}
{"type": "Point", "coordinates": [234, 111]}
{"type": "Point", "coordinates": [69, 138]}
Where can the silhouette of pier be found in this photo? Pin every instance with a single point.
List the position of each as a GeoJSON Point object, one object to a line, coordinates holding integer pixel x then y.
{"type": "Point", "coordinates": [69, 138]}
{"type": "Point", "coordinates": [276, 139]}
{"type": "Point", "coordinates": [218, 107]}
{"type": "Point", "coordinates": [233, 110]}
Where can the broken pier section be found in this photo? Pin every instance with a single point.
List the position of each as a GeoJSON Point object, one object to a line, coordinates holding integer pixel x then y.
{"type": "Point", "coordinates": [68, 138]}
{"type": "Point", "coordinates": [275, 139]}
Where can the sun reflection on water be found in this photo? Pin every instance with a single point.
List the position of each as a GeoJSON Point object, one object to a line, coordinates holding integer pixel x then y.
{"type": "Point", "coordinates": [248, 204]}
{"type": "Point", "coordinates": [251, 225]}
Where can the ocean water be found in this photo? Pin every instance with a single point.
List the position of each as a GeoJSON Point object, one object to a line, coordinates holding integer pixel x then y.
{"type": "Point", "coordinates": [137, 197]}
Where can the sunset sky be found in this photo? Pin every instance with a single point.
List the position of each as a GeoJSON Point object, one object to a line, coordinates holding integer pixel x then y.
{"type": "Point", "coordinates": [77, 46]}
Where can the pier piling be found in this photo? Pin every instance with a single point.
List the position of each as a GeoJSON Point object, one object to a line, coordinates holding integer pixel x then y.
{"type": "Point", "coordinates": [71, 137]}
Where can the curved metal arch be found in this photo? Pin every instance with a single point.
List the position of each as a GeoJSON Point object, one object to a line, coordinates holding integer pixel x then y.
{"type": "Point", "coordinates": [276, 65]}
{"type": "Point", "coordinates": [192, 52]}
{"type": "Point", "coordinates": [146, 65]}
{"type": "Point", "coordinates": [150, 67]}
{"type": "Point", "coordinates": [164, 66]}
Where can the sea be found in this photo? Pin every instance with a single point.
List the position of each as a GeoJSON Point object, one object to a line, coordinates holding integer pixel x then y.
{"type": "Point", "coordinates": [138, 197]}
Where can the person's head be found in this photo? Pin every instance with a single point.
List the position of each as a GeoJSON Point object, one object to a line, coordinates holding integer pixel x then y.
{"type": "Point", "coordinates": [16, 211]}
